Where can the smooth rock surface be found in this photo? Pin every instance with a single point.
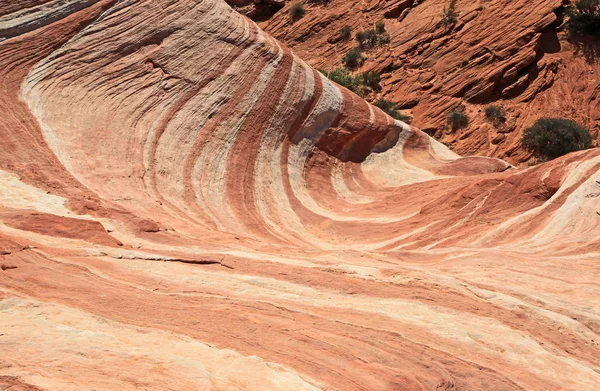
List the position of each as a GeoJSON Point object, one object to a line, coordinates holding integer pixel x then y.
{"type": "Point", "coordinates": [187, 205]}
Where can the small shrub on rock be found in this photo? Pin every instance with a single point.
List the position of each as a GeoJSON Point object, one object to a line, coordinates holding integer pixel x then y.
{"type": "Point", "coordinates": [346, 32]}
{"type": "Point", "coordinates": [549, 138]}
{"type": "Point", "coordinates": [383, 39]}
{"type": "Point", "coordinates": [457, 119]}
{"type": "Point", "coordinates": [361, 84]}
{"type": "Point", "coordinates": [354, 58]}
{"type": "Point", "coordinates": [297, 11]}
{"type": "Point", "coordinates": [342, 77]}
{"type": "Point", "coordinates": [373, 37]}
{"type": "Point", "coordinates": [496, 115]}
{"type": "Point", "coordinates": [367, 38]}
{"type": "Point", "coordinates": [390, 109]}
{"type": "Point", "coordinates": [371, 79]}
{"type": "Point", "coordinates": [450, 15]}
{"type": "Point", "coordinates": [584, 18]}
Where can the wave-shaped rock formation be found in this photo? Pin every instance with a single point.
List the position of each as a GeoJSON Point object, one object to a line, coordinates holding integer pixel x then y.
{"type": "Point", "coordinates": [513, 53]}
{"type": "Point", "coordinates": [186, 205]}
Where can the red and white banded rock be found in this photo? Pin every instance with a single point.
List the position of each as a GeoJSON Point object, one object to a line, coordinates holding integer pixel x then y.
{"type": "Point", "coordinates": [188, 205]}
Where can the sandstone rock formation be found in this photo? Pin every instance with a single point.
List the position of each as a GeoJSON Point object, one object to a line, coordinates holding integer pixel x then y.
{"type": "Point", "coordinates": [187, 205]}
{"type": "Point", "coordinates": [512, 53]}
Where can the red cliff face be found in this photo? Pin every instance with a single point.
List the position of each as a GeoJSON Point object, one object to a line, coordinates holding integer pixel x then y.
{"type": "Point", "coordinates": [505, 52]}
{"type": "Point", "coordinates": [186, 204]}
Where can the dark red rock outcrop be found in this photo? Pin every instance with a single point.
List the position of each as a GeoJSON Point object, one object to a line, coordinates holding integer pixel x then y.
{"type": "Point", "coordinates": [505, 52]}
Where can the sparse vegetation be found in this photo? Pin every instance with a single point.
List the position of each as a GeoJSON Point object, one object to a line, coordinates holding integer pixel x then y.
{"type": "Point", "coordinates": [384, 39]}
{"type": "Point", "coordinates": [361, 84]}
{"type": "Point", "coordinates": [496, 115]}
{"type": "Point", "coordinates": [390, 108]}
{"type": "Point", "coordinates": [371, 79]}
{"type": "Point", "coordinates": [342, 77]}
{"type": "Point", "coordinates": [450, 15]}
{"type": "Point", "coordinates": [354, 58]}
{"type": "Point", "coordinates": [346, 32]}
{"type": "Point", "coordinates": [367, 38]}
{"type": "Point", "coordinates": [297, 11]}
{"type": "Point", "coordinates": [584, 18]}
{"type": "Point", "coordinates": [549, 138]}
{"type": "Point", "coordinates": [373, 37]}
{"type": "Point", "coordinates": [457, 119]}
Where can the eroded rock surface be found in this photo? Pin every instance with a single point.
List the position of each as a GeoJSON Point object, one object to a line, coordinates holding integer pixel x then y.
{"type": "Point", "coordinates": [187, 205]}
{"type": "Point", "coordinates": [512, 53]}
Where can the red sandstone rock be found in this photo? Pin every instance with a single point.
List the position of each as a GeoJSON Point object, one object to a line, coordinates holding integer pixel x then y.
{"type": "Point", "coordinates": [506, 52]}
{"type": "Point", "coordinates": [276, 231]}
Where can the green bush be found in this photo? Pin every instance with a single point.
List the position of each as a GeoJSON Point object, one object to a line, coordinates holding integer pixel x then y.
{"type": "Point", "coordinates": [383, 39]}
{"type": "Point", "coordinates": [495, 114]}
{"type": "Point", "coordinates": [371, 38]}
{"type": "Point", "coordinates": [371, 79]}
{"type": "Point", "coordinates": [450, 15]}
{"type": "Point", "coordinates": [342, 77]}
{"type": "Point", "coordinates": [367, 38]}
{"type": "Point", "coordinates": [361, 84]}
{"type": "Point", "coordinates": [584, 18]}
{"type": "Point", "coordinates": [297, 11]}
{"type": "Point", "coordinates": [346, 32]}
{"type": "Point", "coordinates": [354, 58]}
{"type": "Point", "coordinates": [390, 109]}
{"type": "Point", "coordinates": [549, 138]}
{"type": "Point", "coordinates": [457, 119]}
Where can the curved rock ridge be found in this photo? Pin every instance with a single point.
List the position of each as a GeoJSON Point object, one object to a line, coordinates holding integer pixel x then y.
{"type": "Point", "coordinates": [511, 53]}
{"type": "Point", "coordinates": [187, 205]}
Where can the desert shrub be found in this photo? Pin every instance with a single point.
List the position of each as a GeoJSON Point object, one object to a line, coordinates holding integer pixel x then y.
{"type": "Point", "coordinates": [450, 15]}
{"type": "Point", "coordinates": [386, 105]}
{"type": "Point", "coordinates": [457, 119]}
{"type": "Point", "coordinates": [346, 32]}
{"type": "Point", "coordinates": [390, 109]}
{"type": "Point", "coordinates": [549, 138]}
{"type": "Point", "coordinates": [373, 37]}
{"type": "Point", "coordinates": [342, 77]}
{"type": "Point", "coordinates": [354, 58]}
{"type": "Point", "coordinates": [495, 114]}
{"type": "Point", "coordinates": [361, 84]}
{"type": "Point", "coordinates": [297, 11]}
{"type": "Point", "coordinates": [367, 38]}
{"type": "Point", "coordinates": [361, 36]}
{"type": "Point", "coordinates": [383, 39]}
{"type": "Point", "coordinates": [371, 79]}
{"type": "Point", "coordinates": [584, 18]}
{"type": "Point", "coordinates": [404, 118]}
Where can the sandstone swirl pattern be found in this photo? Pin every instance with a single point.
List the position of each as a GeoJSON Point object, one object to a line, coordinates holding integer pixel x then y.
{"type": "Point", "coordinates": [186, 205]}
